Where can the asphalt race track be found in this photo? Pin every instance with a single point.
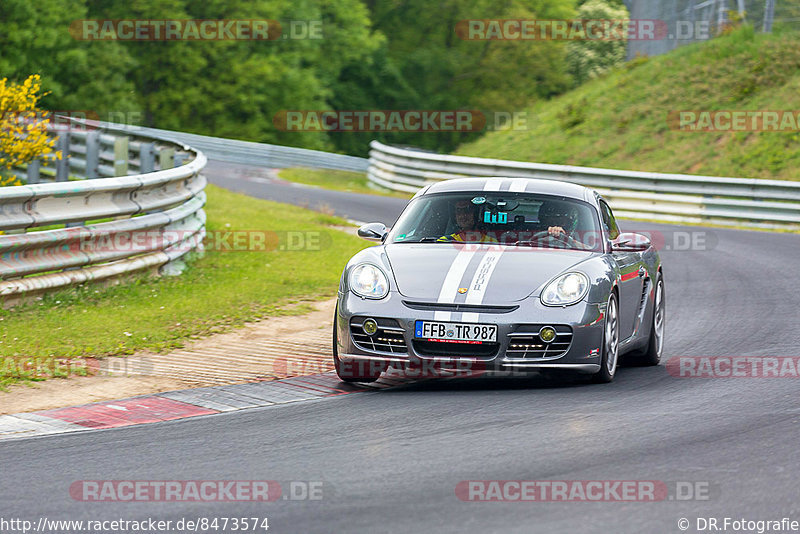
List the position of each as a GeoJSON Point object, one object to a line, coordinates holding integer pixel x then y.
{"type": "Point", "coordinates": [389, 461]}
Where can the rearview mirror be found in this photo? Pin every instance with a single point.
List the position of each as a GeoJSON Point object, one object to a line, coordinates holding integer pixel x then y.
{"type": "Point", "coordinates": [373, 231]}
{"type": "Point", "coordinates": [630, 242]}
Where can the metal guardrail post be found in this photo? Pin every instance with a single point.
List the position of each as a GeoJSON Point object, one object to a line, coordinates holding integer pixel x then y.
{"type": "Point", "coordinates": [769, 15]}
{"type": "Point", "coordinates": [121, 156]}
{"type": "Point", "coordinates": [92, 154]}
{"type": "Point", "coordinates": [147, 157]}
{"type": "Point", "coordinates": [33, 171]}
{"type": "Point", "coordinates": [166, 158]}
{"type": "Point", "coordinates": [62, 165]}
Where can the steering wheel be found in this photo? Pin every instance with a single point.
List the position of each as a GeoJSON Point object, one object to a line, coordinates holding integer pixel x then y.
{"type": "Point", "coordinates": [564, 238]}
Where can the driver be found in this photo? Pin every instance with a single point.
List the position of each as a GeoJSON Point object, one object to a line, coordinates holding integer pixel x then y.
{"type": "Point", "coordinates": [561, 220]}
{"type": "Point", "coordinates": [467, 223]}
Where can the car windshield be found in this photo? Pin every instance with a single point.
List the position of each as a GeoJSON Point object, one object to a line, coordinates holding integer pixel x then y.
{"type": "Point", "coordinates": [512, 219]}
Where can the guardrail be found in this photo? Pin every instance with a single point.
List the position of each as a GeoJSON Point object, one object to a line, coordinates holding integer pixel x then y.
{"type": "Point", "coordinates": [250, 153]}
{"type": "Point", "coordinates": [753, 203]}
{"type": "Point", "coordinates": [91, 153]}
{"type": "Point", "coordinates": [84, 226]}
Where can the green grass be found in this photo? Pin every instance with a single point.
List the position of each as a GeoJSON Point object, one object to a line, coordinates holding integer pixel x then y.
{"type": "Point", "coordinates": [620, 121]}
{"type": "Point", "coordinates": [352, 182]}
{"type": "Point", "coordinates": [217, 291]}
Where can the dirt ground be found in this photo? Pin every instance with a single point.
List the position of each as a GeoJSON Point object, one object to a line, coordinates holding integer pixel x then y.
{"type": "Point", "coordinates": [270, 349]}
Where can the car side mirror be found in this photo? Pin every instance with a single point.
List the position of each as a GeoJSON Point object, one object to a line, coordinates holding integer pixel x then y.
{"type": "Point", "coordinates": [373, 231]}
{"type": "Point", "coordinates": [630, 242]}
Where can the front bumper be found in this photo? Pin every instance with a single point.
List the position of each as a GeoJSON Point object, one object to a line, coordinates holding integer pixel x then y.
{"type": "Point", "coordinates": [395, 344]}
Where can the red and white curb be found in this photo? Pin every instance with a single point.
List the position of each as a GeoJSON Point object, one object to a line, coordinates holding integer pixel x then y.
{"type": "Point", "coordinates": [174, 405]}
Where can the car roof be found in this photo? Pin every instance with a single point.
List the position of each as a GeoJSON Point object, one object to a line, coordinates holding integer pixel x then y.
{"type": "Point", "coordinates": [522, 185]}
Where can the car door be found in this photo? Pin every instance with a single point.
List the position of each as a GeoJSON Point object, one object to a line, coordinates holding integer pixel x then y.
{"type": "Point", "coordinates": [631, 279]}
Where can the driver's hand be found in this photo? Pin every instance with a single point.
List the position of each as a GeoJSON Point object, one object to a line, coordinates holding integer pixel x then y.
{"type": "Point", "coordinates": [555, 231]}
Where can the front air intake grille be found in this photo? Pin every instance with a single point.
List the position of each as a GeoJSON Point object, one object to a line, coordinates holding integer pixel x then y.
{"type": "Point", "coordinates": [474, 308]}
{"type": "Point", "coordinates": [389, 337]}
{"type": "Point", "coordinates": [455, 350]}
{"type": "Point", "coordinates": [526, 343]}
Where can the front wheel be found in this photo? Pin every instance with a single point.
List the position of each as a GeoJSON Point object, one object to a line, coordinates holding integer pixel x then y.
{"type": "Point", "coordinates": [608, 362]}
{"type": "Point", "coordinates": [351, 371]}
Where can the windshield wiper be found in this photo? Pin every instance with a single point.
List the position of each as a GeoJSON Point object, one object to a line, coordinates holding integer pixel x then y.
{"type": "Point", "coordinates": [544, 244]}
{"type": "Point", "coordinates": [530, 243]}
{"type": "Point", "coordinates": [429, 239]}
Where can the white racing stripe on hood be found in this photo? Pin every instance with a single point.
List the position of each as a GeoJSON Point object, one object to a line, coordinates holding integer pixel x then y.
{"type": "Point", "coordinates": [493, 185]}
{"type": "Point", "coordinates": [481, 279]}
{"type": "Point", "coordinates": [449, 290]}
{"type": "Point", "coordinates": [518, 185]}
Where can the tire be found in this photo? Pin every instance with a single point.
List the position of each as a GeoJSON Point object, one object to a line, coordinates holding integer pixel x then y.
{"type": "Point", "coordinates": [355, 371]}
{"type": "Point", "coordinates": [651, 355]}
{"type": "Point", "coordinates": [610, 357]}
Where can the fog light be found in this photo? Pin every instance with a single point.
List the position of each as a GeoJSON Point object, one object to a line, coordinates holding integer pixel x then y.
{"type": "Point", "coordinates": [547, 334]}
{"type": "Point", "coordinates": [369, 326]}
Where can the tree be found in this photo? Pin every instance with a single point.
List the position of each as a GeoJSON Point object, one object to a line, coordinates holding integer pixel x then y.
{"type": "Point", "coordinates": [589, 59]}
{"type": "Point", "coordinates": [78, 75]}
{"type": "Point", "coordinates": [235, 88]}
{"type": "Point", "coordinates": [23, 133]}
{"type": "Point", "coordinates": [426, 65]}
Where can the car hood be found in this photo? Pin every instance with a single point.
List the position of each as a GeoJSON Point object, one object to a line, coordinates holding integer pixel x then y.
{"type": "Point", "coordinates": [492, 274]}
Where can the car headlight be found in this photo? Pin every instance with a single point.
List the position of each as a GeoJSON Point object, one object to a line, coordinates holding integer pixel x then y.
{"type": "Point", "coordinates": [567, 289]}
{"type": "Point", "coordinates": [368, 281]}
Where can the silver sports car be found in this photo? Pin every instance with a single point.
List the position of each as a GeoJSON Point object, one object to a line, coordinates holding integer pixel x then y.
{"type": "Point", "coordinates": [500, 275]}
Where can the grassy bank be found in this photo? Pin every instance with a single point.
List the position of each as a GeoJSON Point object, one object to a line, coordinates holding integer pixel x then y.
{"type": "Point", "coordinates": [351, 182]}
{"type": "Point", "coordinates": [620, 121]}
{"type": "Point", "coordinates": [220, 290]}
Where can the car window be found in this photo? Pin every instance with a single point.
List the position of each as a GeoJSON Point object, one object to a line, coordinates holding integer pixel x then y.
{"type": "Point", "coordinates": [609, 221]}
{"type": "Point", "coordinates": [498, 217]}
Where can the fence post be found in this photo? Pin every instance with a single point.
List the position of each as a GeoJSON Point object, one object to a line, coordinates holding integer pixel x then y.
{"type": "Point", "coordinates": [92, 154]}
{"type": "Point", "coordinates": [769, 15]}
{"type": "Point", "coordinates": [147, 160]}
{"type": "Point", "coordinates": [722, 15]}
{"type": "Point", "coordinates": [33, 171]}
{"type": "Point", "coordinates": [62, 165]}
{"type": "Point", "coordinates": [77, 223]}
{"type": "Point", "coordinates": [166, 158]}
{"type": "Point", "coordinates": [121, 156]}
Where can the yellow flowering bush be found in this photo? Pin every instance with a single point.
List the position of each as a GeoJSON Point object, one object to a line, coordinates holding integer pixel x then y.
{"type": "Point", "coordinates": [23, 128]}
{"type": "Point", "coordinates": [9, 180]}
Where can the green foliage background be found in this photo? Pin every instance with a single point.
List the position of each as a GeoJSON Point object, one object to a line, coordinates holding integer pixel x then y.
{"type": "Point", "coordinates": [375, 54]}
{"type": "Point", "coordinates": [620, 121]}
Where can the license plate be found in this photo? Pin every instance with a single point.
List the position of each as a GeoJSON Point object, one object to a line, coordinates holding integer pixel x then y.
{"type": "Point", "coordinates": [456, 332]}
